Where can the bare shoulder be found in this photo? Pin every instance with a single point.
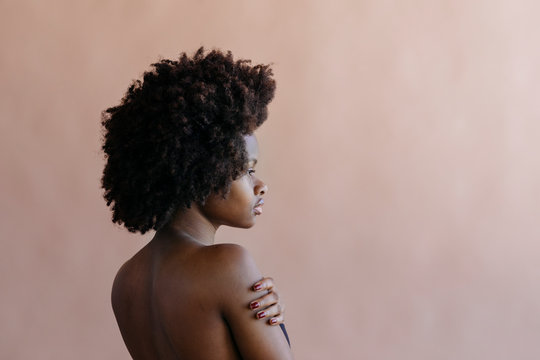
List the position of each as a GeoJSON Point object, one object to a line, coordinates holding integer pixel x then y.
{"type": "Point", "coordinates": [121, 280]}
{"type": "Point", "coordinates": [129, 279]}
{"type": "Point", "coordinates": [236, 272]}
{"type": "Point", "coordinates": [120, 293]}
{"type": "Point", "coordinates": [123, 274]}
{"type": "Point", "coordinates": [231, 257]}
{"type": "Point", "coordinates": [233, 265]}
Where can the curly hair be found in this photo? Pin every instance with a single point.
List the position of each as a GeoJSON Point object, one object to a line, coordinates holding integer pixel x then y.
{"type": "Point", "coordinates": [177, 136]}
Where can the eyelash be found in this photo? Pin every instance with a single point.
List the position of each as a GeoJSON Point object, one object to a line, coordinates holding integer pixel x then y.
{"type": "Point", "coordinates": [251, 171]}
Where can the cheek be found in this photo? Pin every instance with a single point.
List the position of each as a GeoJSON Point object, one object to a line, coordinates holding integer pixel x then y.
{"type": "Point", "coordinates": [241, 192]}
{"type": "Point", "coordinates": [236, 209]}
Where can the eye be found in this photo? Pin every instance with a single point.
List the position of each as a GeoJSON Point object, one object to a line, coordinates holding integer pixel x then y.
{"type": "Point", "coordinates": [251, 171]}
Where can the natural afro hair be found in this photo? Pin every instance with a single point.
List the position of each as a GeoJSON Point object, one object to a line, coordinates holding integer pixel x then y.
{"type": "Point", "coordinates": [177, 135]}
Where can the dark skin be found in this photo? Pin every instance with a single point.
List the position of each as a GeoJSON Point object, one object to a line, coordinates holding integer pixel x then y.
{"type": "Point", "coordinates": [183, 297]}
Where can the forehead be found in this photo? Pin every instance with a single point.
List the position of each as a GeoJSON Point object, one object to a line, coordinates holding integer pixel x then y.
{"type": "Point", "coordinates": [252, 147]}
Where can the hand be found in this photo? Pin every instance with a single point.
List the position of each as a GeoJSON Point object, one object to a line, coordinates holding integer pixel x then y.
{"type": "Point", "coordinates": [267, 306]}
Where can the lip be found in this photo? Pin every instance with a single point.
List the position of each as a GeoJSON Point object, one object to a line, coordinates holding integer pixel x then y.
{"type": "Point", "coordinates": [257, 209]}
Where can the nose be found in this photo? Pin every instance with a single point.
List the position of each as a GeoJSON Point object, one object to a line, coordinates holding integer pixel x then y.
{"type": "Point", "coordinates": [260, 188]}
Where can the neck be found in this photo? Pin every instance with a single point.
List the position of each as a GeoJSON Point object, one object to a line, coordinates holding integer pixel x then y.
{"type": "Point", "coordinates": [190, 224]}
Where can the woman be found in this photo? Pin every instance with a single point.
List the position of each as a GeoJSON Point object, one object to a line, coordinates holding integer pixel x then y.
{"type": "Point", "coordinates": [181, 159]}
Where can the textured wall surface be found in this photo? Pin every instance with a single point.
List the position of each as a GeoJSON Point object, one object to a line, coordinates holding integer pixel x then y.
{"type": "Point", "coordinates": [402, 156]}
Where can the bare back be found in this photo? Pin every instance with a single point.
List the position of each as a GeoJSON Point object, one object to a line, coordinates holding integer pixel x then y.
{"type": "Point", "coordinates": [170, 301]}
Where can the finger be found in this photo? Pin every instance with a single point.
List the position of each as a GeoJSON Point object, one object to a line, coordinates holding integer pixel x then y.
{"type": "Point", "coordinates": [270, 312]}
{"type": "Point", "coordinates": [264, 301]}
{"type": "Point", "coordinates": [266, 283]}
{"type": "Point", "coordinates": [276, 320]}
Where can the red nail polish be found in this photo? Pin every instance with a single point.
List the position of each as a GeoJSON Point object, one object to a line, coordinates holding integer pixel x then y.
{"type": "Point", "coordinates": [254, 305]}
{"type": "Point", "coordinates": [261, 314]}
{"type": "Point", "coordinates": [273, 321]}
{"type": "Point", "coordinates": [257, 287]}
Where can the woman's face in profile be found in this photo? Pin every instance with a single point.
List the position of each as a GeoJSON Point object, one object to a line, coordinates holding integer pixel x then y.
{"type": "Point", "coordinates": [244, 200]}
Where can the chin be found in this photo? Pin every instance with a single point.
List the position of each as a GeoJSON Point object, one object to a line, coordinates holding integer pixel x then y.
{"type": "Point", "coordinates": [248, 226]}
{"type": "Point", "coordinates": [245, 224]}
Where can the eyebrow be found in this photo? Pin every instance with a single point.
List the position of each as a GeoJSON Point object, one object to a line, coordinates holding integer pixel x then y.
{"type": "Point", "coordinates": [254, 161]}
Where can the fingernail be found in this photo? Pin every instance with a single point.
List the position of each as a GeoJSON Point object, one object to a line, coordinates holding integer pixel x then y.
{"type": "Point", "coordinates": [257, 287]}
{"type": "Point", "coordinates": [273, 321]}
{"type": "Point", "coordinates": [261, 314]}
{"type": "Point", "coordinates": [254, 305]}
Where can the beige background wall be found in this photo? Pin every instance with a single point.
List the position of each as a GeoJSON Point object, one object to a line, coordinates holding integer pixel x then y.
{"type": "Point", "coordinates": [402, 156]}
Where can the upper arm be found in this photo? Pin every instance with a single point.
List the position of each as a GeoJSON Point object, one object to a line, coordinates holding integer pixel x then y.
{"type": "Point", "coordinates": [254, 338]}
